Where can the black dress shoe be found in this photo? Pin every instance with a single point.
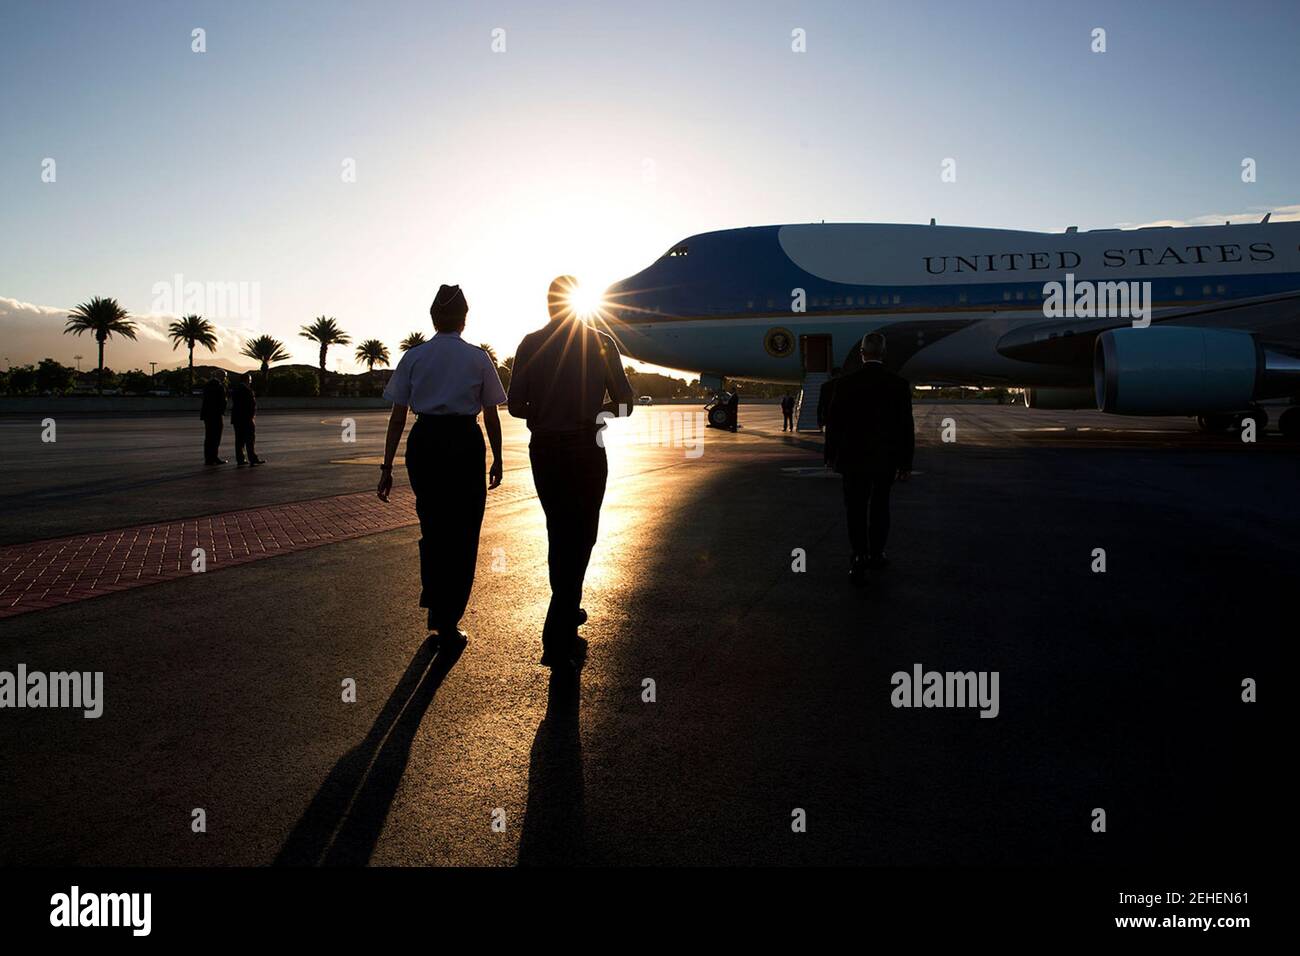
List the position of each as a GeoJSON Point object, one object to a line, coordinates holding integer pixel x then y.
{"type": "Point", "coordinates": [571, 656]}
{"type": "Point", "coordinates": [557, 658]}
{"type": "Point", "coordinates": [858, 572]}
{"type": "Point", "coordinates": [240, 463]}
{"type": "Point", "coordinates": [257, 461]}
{"type": "Point", "coordinates": [582, 616]}
{"type": "Point", "coordinates": [878, 561]}
{"type": "Point", "coordinates": [216, 461]}
{"type": "Point", "coordinates": [448, 636]}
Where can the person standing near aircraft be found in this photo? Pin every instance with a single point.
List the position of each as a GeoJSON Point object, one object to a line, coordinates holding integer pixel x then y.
{"type": "Point", "coordinates": [787, 413]}
{"type": "Point", "coordinates": [448, 382]}
{"type": "Point", "coordinates": [211, 412]}
{"type": "Point", "coordinates": [873, 437]}
{"type": "Point", "coordinates": [243, 414]}
{"type": "Point", "coordinates": [565, 376]}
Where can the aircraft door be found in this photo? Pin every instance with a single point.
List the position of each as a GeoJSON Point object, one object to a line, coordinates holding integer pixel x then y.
{"type": "Point", "coordinates": [815, 351]}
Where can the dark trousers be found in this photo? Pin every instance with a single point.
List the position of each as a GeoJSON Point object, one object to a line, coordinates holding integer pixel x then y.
{"type": "Point", "coordinates": [445, 462]}
{"type": "Point", "coordinates": [211, 438]}
{"type": "Point", "coordinates": [788, 423]}
{"type": "Point", "coordinates": [569, 471]}
{"type": "Point", "coordinates": [245, 436]}
{"type": "Point", "coordinates": [866, 505]}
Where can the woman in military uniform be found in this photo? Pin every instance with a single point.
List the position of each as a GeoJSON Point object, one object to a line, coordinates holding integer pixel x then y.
{"type": "Point", "coordinates": [446, 382]}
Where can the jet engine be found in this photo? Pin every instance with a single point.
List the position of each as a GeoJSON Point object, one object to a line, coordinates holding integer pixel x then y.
{"type": "Point", "coordinates": [1184, 370]}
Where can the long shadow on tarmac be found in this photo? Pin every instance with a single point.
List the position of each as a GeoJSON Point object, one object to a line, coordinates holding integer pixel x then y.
{"type": "Point", "coordinates": [554, 824]}
{"type": "Point", "coordinates": [341, 825]}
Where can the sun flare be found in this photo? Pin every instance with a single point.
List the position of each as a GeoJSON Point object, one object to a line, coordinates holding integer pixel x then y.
{"type": "Point", "coordinates": [586, 301]}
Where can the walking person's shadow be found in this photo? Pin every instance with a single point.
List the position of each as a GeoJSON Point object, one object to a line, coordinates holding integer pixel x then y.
{"type": "Point", "coordinates": [341, 825]}
{"type": "Point", "coordinates": [554, 823]}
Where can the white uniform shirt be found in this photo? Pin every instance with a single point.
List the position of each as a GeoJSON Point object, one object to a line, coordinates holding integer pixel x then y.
{"type": "Point", "coordinates": [445, 376]}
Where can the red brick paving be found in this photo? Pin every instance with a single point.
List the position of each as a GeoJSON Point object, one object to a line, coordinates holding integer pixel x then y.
{"type": "Point", "coordinates": [45, 574]}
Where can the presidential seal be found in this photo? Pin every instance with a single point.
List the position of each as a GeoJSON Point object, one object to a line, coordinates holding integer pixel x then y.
{"type": "Point", "coordinates": [779, 342]}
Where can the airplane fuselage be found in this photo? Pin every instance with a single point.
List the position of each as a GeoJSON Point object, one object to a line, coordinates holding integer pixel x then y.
{"type": "Point", "coordinates": [746, 303]}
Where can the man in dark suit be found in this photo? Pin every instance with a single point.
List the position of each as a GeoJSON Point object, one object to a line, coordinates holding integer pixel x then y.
{"type": "Point", "coordinates": [567, 380]}
{"type": "Point", "coordinates": [870, 429]}
{"type": "Point", "coordinates": [211, 412]}
{"type": "Point", "coordinates": [243, 414]}
{"type": "Point", "coordinates": [787, 413]}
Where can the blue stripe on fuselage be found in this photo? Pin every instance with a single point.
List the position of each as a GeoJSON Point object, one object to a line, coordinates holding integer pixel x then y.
{"type": "Point", "coordinates": [745, 273]}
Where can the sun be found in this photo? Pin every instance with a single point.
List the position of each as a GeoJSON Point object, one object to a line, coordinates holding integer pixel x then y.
{"type": "Point", "coordinates": [586, 301]}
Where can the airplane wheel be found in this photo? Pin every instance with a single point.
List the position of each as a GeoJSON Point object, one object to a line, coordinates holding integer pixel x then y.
{"type": "Point", "coordinates": [1214, 423]}
{"type": "Point", "coordinates": [1289, 423]}
{"type": "Point", "coordinates": [718, 417]}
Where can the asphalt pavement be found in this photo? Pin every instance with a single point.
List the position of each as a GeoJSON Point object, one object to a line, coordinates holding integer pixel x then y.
{"type": "Point", "coordinates": [735, 681]}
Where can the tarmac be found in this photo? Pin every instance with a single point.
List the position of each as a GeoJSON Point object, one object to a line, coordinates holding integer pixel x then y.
{"type": "Point", "coordinates": [720, 578]}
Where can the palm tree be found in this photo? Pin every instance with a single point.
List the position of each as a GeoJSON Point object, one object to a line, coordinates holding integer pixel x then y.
{"type": "Point", "coordinates": [491, 353]}
{"type": "Point", "coordinates": [104, 318]}
{"type": "Point", "coordinates": [266, 350]}
{"type": "Point", "coordinates": [373, 352]}
{"type": "Point", "coordinates": [412, 340]}
{"type": "Point", "coordinates": [193, 330]}
{"type": "Point", "coordinates": [326, 332]}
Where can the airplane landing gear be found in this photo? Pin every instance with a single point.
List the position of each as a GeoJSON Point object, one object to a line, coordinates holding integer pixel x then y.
{"type": "Point", "coordinates": [722, 410]}
{"type": "Point", "coordinates": [1218, 422]}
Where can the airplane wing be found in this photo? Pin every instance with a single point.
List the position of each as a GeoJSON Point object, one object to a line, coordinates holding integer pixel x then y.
{"type": "Point", "coordinates": [1071, 341]}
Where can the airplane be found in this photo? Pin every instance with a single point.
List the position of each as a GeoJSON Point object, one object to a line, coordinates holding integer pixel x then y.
{"type": "Point", "coordinates": [970, 306]}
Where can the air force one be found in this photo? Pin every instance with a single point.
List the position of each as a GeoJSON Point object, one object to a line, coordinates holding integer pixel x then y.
{"type": "Point", "coordinates": [1201, 321]}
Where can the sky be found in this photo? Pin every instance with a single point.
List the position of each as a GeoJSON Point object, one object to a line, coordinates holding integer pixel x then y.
{"type": "Point", "coordinates": [599, 136]}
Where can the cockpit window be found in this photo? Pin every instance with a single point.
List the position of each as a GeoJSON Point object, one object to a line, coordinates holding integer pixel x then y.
{"type": "Point", "coordinates": [676, 252]}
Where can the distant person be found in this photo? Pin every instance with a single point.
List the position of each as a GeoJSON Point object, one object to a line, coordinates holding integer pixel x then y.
{"type": "Point", "coordinates": [823, 403]}
{"type": "Point", "coordinates": [870, 429]}
{"type": "Point", "coordinates": [787, 413]}
{"type": "Point", "coordinates": [565, 375]}
{"type": "Point", "coordinates": [733, 408]}
{"type": "Point", "coordinates": [243, 414]}
{"type": "Point", "coordinates": [447, 382]}
{"type": "Point", "coordinates": [212, 411]}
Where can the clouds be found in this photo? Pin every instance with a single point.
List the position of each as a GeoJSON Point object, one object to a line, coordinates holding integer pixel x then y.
{"type": "Point", "coordinates": [31, 332]}
{"type": "Point", "coordinates": [1280, 214]}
